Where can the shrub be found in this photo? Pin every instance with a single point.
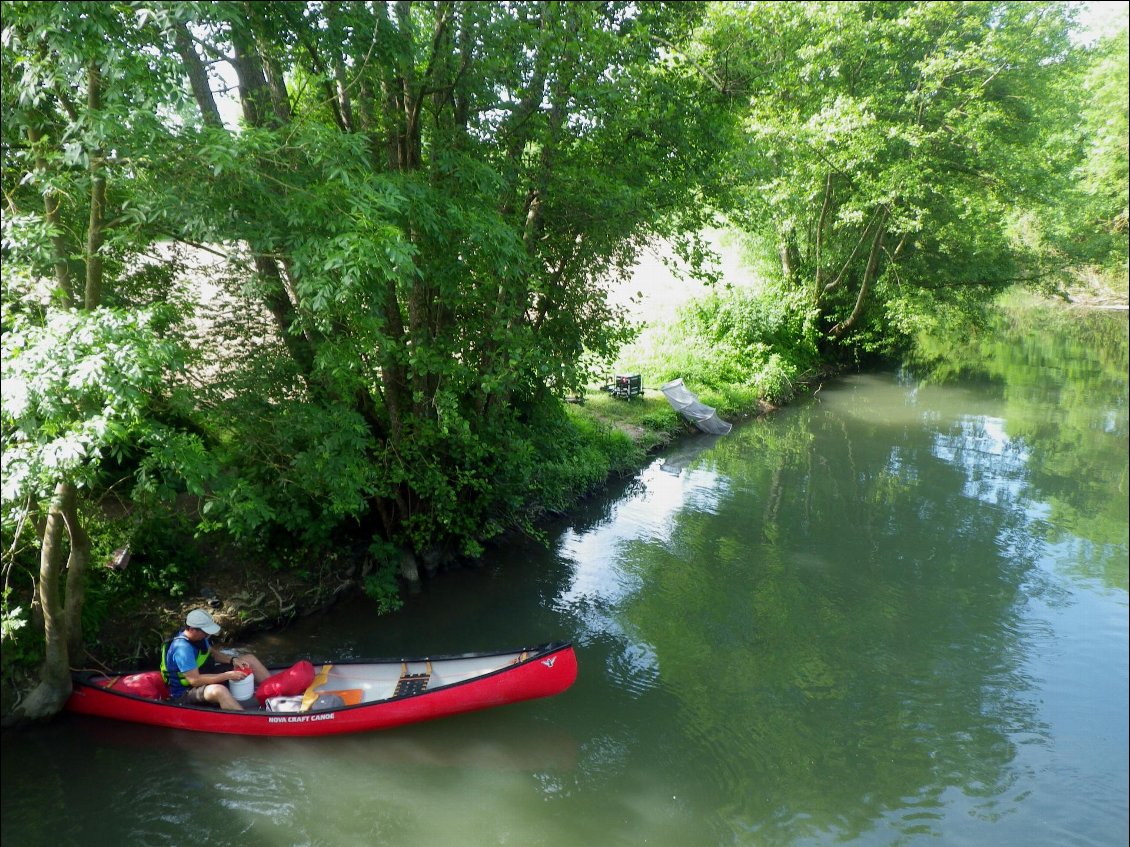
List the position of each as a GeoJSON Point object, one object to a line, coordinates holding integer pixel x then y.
{"type": "Point", "coordinates": [738, 338]}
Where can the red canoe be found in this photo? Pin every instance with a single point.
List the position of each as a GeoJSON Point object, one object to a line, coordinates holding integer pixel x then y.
{"type": "Point", "coordinates": [351, 696]}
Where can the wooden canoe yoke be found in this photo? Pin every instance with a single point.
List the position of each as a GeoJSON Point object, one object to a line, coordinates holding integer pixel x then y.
{"type": "Point", "coordinates": [412, 683]}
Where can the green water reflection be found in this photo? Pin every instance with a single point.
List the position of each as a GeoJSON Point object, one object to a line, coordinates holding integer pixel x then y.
{"type": "Point", "coordinates": [841, 603]}
{"type": "Point", "coordinates": [1061, 377]}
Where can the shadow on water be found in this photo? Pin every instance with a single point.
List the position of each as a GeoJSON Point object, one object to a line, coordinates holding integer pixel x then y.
{"type": "Point", "coordinates": [147, 785]}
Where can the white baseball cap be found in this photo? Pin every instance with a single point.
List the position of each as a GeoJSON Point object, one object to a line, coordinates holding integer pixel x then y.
{"type": "Point", "coordinates": [200, 619]}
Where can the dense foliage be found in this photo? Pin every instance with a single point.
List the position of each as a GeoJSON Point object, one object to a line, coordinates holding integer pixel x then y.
{"type": "Point", "coordinates": [307, 275]}
{"type": "Point", "coordinates": [730, 341]}
{"type": "Point", "coordinates": [892, 151]}
{"type": "Point", "coordinates": [1092, 208]}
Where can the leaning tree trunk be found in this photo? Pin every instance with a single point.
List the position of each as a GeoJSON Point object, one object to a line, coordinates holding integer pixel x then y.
{"type": "Point", "coordinates": [869, 273]}
{"type": "Point", "coordinates": [77, 562]}
{"type": "Point", "coordinates": [54, 687]}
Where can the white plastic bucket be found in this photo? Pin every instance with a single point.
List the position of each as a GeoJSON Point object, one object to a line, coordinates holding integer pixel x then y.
{"type": "Point", "coordinates": [242, 689]}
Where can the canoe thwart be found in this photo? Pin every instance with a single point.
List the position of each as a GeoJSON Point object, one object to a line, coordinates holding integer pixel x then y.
{"type": "Point", "coordinates": [412, 683]}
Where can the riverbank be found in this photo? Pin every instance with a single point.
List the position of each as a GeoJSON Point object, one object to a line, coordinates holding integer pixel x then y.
{"type": "Point", "coordinates": [1098, 291]}
{"type": "Point", "coordinates": [247, 595]}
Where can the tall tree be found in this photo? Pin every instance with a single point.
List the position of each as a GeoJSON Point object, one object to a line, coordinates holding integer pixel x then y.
{"type": "Point", "coordinates": [1088, 221]}
{"type": "Point", "coordinates": [420, 206]}
{"type": "Point", "coordinates": [890, 149]}
{"type": "Point", "coordinates": [433, 197]}
{"type": "Point", "coordinates": [78, 376]}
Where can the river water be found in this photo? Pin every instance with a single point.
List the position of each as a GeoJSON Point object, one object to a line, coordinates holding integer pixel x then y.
{"type": "Point", "coordinates": [893, 614]}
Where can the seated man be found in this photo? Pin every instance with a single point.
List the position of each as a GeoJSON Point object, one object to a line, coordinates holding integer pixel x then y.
{"type": "Point", "coordinates": [189, 665]}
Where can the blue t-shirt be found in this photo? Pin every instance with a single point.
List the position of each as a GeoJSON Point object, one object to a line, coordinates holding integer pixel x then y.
{"type": "Point", "coordinates": [182, 657]}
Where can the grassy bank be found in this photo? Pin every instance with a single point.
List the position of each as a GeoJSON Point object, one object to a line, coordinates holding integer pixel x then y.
{"type": "Point", "coordinates": [649, 422]}
{"type": "Point", "coordinates": [741, 351]}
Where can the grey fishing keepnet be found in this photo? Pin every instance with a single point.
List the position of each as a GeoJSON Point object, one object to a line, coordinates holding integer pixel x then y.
{"type": "Point", "coordinates": [687, 405]}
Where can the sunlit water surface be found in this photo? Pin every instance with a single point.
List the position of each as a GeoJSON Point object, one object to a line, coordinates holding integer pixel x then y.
{"type": "Point", "coordinates": [895, 614]}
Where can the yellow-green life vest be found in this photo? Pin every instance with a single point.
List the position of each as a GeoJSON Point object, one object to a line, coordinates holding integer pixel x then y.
{"type": "Point", "coordinates": [179, 685]}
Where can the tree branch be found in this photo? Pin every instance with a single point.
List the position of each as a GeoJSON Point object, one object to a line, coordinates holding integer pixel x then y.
{"type": "Point", "coordinates": [197, 76]}
{"type": "Point", "coordinates": [868, 274]}
{"type": "Point", "coordinates": [831, 286]}
{"type": "Point", "coordinates": [707, 74]}
{"type": "Point", "coordinates": [820, 226]}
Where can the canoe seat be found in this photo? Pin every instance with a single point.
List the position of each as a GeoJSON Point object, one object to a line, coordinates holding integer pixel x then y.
{"type": "Point", "coordinates": [412, 683]}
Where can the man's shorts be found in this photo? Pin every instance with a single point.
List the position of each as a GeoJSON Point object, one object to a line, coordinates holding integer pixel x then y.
{"type": "Point", "coordinates": [195, 696]}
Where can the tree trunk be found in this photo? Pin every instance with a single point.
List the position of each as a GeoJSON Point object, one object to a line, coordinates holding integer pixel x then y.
{"type": "Point", "coordinates": [880, 216]}
{"type": "Point", "coordinates": [367, 114]}
{"type": "Point", "coordinates": [343, 101]}
{"type": "Point", "coordinates": [253, 95]}
{"type": "Point", "coordinates": [77, 563]}
{"type": "Point", "coordinates": [278, 303]}
{"type": "Point", "coordinates": [54, 687]}
{"type": "Point", "coordinates": [790, 258]}
{"type": "Point", "coordinates": [95, 229]}
{"type": "Point", "coordinates": [197, 76]}
{"type": "Point", "coordinates": [59, 248]}
{"type": "Point", "coordinates": [819, 283]}
{"type": "Point", "coordinates": [865, 286]}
